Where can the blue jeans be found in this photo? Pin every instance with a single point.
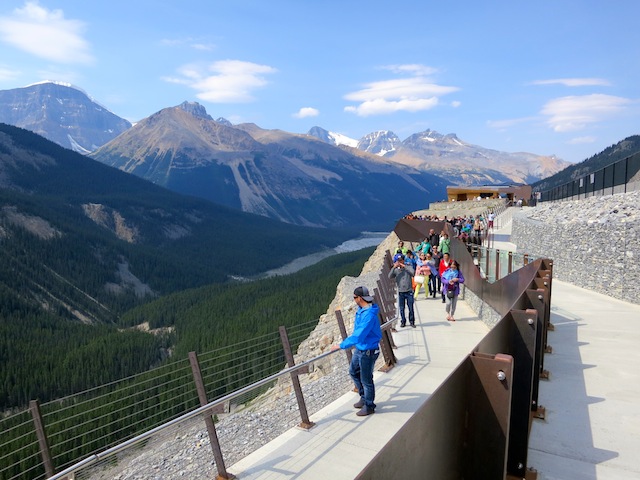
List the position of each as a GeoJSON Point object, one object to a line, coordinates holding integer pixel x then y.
{"type": "Point", "coordinates": [406, 297]}
{"type": "Point", "coordinates": [361, 371]}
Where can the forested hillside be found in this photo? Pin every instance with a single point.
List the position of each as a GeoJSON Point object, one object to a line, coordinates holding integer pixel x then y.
{"type": "Point", "coordinates": [81, 243]}
{"type": "Point", "coordinates": [609, 155]}
{"type": "Point", "coordinates": [44, 358]}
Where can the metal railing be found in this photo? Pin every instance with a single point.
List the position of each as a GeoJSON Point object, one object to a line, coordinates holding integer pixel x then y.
{"type": "Point", "coordinates": [619, 177]}
{"type": "Point", "coordinates": [117, 421]}
{"type": "Point", "coordinates": [477, 423]}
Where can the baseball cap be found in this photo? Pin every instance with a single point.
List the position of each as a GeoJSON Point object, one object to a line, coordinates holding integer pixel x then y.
{"type": "Point", "coordinates": [364, 293]}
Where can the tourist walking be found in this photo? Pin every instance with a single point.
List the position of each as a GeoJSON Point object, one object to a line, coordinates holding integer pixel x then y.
{"type": "Point", "coordinates": [365, 338]}
{"type": "Point", "coordinates": [451, 280]}
{"type": "Point", "coordinates": [403, 275]}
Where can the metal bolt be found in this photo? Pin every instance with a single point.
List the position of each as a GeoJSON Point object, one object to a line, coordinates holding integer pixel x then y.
{"type": "Point", "coordinates": [545, 284]}
{"type": "Point", "coordinates": [530, 321]}
{"type": "Point", "coordinates": [501, 376]}
{"type": "Point", "coordinates": [520, 466]}
{"type": "Point", "coordinates": [540, 297]}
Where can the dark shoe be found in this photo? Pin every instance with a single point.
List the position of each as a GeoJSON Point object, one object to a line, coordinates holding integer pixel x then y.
{"type": "Point", "coordinates": [365, 411]}
{"type": "Point", "coordinates": [359, 404]}
{"type": "Point", "coordinates": [443, 300]}
{"type": "Point", "coordinates": [413, 325]}
{"type": "Point", "coordinates": [403, 325]}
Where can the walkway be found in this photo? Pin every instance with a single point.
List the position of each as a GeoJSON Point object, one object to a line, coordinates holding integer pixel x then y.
{"type": "Point", "coordinates": [591, 430]}
{"type": "Point", "coordinates": [341, 444]}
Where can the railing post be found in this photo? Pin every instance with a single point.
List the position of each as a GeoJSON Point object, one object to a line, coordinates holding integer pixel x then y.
{"type": "Point", "coordinates": [386, 342]}
{"type": "Point", "coordinates": [43, 441]}
{"type": "Point", "coordinates": [526, 259]}
{"type": "Point", "coordinates": [497, 264]}
{"type": "Point", "coordinates": [306, 423]}
{"type": "Point", "coordinates": [510, 267]}
{"type": "Point", "coordinates": [343, 332]}
{"type": "Point", "coordinates": [208, 419]}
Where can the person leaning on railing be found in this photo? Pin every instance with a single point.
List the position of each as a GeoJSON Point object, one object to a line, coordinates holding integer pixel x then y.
{"type": "Point", "coordinates": [366, 338]}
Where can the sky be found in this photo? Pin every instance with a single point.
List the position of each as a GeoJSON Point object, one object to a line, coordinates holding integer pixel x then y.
{"type": "Point", "coordinates": [548, 77]}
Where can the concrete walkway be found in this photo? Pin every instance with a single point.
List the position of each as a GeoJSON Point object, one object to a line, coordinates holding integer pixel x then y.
{"type": "Point", "coordinates": [591, 430]}
{"type": "Point", "coordinates": [341, 444]}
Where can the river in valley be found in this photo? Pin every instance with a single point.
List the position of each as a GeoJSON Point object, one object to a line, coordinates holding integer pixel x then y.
{"type": "Point", "coordinates": [366, 239]}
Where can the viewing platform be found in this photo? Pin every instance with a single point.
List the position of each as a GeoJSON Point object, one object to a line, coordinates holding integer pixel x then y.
{"type": "Point", "coordinates": [590, 430]}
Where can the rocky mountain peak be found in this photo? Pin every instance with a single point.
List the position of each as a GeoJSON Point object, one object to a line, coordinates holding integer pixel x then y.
{"type": "Point", "coordinates": [382, 142]}
{"type": "Point", "coordinates": [195, 109]}
{"type": "Point", "coordinates": [61, 113]}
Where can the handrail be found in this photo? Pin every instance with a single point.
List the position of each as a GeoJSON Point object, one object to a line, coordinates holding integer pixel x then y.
{"type": "Point", "coordinates": [92, 459]}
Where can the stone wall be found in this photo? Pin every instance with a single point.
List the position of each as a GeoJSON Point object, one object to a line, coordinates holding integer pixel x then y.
{"type": "Point", "coordinates": [594, 242]}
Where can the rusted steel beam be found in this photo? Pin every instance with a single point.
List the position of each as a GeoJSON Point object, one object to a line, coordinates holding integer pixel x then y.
{"type": "Point", "coordinates": [43, 441]}
{"type": "Point", "coordinates": [208, 419]}
{"type": "Point", "coordinates": [302, 407]}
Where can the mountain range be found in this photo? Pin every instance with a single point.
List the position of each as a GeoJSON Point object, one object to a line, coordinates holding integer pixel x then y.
{"type": "Point", "coordinates": [315, 179]}
{"type": "Point", "coordinates": [290, 177]}
{"type": "Point", "coordinates": [461, 163]}
{"type": "Point", "coordinates": [84, 241]}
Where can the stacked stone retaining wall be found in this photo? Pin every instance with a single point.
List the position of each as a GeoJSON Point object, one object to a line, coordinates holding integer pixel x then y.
{"type": "Point", "coordinates": [594, 242]}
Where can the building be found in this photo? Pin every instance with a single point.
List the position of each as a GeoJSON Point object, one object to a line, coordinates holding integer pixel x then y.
{"type": "Point", "coordinates": [511, 192]}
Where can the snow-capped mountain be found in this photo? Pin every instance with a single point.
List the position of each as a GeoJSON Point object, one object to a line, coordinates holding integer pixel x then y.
{"type": "Point", "coordinates": [382, 143]}
{"type": "Point", "coordinates": [61, 113]}
{"type": "Point", "coordinates": [332, 138]}
{"type": "Point", "coordinates": [461, 163]}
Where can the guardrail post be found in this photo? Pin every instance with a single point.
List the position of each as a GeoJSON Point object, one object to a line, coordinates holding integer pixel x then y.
{"type": "Point", "coordinates": [343, 332]}
{"type": "Point", "coordinates": [510, 267]}
{"type": "Point", "coordinates": [497, 264]}
{"type": "Point", "coordinates": [522, 346]}
{"type": "Point", "coordinates": [43, 441]}
{"type": "Point", "coordinates": [490, 387]}
{"type": "Point", "coordinates": [208, 419]}
{"type": "Point", "coordinates": [306, 423]}
{"type": "Point", "coordinates": [386, 342]}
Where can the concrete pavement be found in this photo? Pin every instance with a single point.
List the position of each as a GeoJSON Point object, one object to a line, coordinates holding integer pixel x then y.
{"type": "Point", "coordinates": [341, 444]}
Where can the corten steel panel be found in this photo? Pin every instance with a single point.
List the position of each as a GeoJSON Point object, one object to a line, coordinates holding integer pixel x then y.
{"type": "Point", "coordinates": [416, 230]}
{"type": "Point", "coordinates": [459, 433]}
{"type": "Point", "coordinates": [515, 335]}
{"type": "Point", "coordinates": [489, 407]}
{"type": "Point", "coordinates": [430, 445]}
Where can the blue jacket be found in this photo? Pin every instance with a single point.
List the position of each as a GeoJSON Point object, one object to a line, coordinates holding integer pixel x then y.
{"type": "Point", "coordinates": [451, 274]}
{"type": "Point", "coordinates": [366, 330]}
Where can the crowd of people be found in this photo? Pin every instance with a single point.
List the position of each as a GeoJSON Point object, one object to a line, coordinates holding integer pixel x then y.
{"type": "Point", "coordinates": [427, 267]}
{"type": "Point", "coordinates": [467, 227]}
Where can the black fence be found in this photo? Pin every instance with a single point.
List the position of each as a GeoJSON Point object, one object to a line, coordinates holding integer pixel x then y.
{"type": "Point", "coordinates": [619, 177]}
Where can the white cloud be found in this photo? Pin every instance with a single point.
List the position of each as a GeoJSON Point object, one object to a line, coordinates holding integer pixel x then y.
{"type": "Point", "coordinates": [46, 34]}
{"type": "Point", "coordinates": [305, 112]}
{"type": "Point", "coordinates": [581, 140]}
{"type": "Point", "coordinates": [7, 73]}
{"type": "Point", "coordinates": [196, 44]}
{"type": "Point", "coordinates": [574, 82]}
{"type": "Point", "coordinates": [225, 81]}
{"type": "Point", "coordinates": [413, 68]}
{"type": "Point", "coordinates": [410, 94]}
{"type": "Point", "coordinates": [456, 103]}
{"type": "Point", "coordinates": [573, 113]}
{"type": "Point", "coordinates": [508, 122]}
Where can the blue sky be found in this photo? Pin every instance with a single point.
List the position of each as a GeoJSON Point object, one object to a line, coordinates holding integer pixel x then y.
{"type": "Point", "coordinates": [546, 77]}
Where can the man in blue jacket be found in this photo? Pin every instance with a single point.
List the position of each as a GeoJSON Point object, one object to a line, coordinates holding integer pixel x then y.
{"type": "Point", "coordinates": [366, 338]}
